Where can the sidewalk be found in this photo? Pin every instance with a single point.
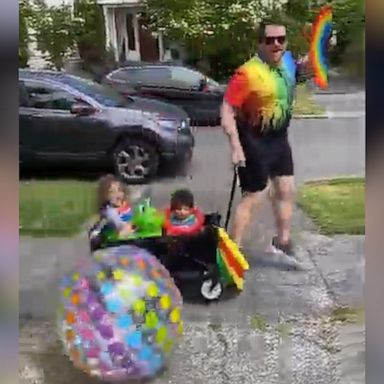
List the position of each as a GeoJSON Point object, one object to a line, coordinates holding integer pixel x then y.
{"type": "Point", "coordinates": [277, 331]}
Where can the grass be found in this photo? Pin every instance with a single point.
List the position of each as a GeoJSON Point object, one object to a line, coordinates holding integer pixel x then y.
{"type": "Point", "coordinates": [348, 315]}
{"type": "Point", "coordinates": [336, 206]}
{"type": "Point", "coordinates": [258, 322]}
{"type": "Point", "coordinates": [55, 208]}
{"type": "Point", "coordinates": [304, 104]}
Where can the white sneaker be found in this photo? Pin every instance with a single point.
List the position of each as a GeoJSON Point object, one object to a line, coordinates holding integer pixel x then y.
{"type": "Point", "coordinates": [279, 257]}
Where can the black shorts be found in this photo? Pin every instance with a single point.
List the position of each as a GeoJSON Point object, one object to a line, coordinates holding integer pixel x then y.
{"type": "Point", "coordinates": [266, 157]}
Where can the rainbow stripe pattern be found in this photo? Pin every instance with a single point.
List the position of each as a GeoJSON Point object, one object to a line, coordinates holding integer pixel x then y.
{"type": "Point", "coordinates": [321, 33]}
{"type": "Point", "coordinates": [262, 94]}
{"type": "Point", "coordinates": [231, 261]}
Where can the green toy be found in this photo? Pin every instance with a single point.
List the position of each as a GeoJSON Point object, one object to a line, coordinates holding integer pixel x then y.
{"type": "Point", "coordinates": [147, 222]}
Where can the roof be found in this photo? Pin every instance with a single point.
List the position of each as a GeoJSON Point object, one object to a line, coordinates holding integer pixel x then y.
{"type": "Point", "coordinates": [45, 74]}
{"type": "Point", "coordinates": [105, 96]}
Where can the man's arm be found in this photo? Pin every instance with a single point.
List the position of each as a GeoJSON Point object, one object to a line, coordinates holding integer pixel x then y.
{"type": "Point", "coordinates": [228, 119]}
{"type": "Point", "coordinates": [236, 93]}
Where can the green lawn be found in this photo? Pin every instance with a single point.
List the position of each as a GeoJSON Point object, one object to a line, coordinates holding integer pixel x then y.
{"type": "Point", "coordinates": [304, 104]}
{"type": "Point", "coordinates": [55, 208]}
{"type": "Point", "coordinates": [336, 206]}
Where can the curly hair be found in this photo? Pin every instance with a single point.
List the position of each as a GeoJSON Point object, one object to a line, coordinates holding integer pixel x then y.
{"type": "Point", "coordinates": [182, 197]}
{"type": "Point", "coordinates": [104, 186]}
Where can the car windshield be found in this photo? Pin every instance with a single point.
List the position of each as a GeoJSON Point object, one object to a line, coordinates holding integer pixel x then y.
{"type": "Point", "coordinates": [103, 94]}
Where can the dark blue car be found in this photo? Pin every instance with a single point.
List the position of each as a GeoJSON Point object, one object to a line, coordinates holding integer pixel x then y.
{"type": "Point", "coordinates": [69, 121]}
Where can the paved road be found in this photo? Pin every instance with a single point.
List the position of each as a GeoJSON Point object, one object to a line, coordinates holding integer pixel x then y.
{"type": "Point", "coordinates": [277, 331]}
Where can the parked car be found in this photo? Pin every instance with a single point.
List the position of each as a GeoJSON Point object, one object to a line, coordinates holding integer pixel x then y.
{"type": "Point", "coordinates": [69, 121]}
{"type": "Point", "coordinates": [197, 94]}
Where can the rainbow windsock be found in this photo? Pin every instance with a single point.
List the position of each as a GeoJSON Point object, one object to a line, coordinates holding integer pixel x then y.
{"type": "Point", "coordinates": [231, 261]}
{"type": "Point", "coordinates": [321, 33]}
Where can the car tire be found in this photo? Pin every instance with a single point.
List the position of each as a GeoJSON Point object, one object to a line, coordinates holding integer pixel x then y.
{"type": "Point", "coordinates": [135, 161]}
{"type": "Point", "coordinates": [210, 293]}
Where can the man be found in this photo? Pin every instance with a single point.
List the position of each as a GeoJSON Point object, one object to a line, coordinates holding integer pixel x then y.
{"type": "Point", "coordinates": [256, 113]}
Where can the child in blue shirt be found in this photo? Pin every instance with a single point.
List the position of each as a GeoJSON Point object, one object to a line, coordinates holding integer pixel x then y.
{"type": "Point", "coordinates": [114, 207]}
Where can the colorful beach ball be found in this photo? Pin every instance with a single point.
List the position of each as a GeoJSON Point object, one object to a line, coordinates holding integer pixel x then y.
{"type": "Point", "coordinates": [120, 315]}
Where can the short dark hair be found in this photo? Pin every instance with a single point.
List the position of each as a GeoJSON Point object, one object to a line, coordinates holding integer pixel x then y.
{"type": "Point", "coordinates": [263, 26]}
{"type": "Point", "coordinates": [182, 197]}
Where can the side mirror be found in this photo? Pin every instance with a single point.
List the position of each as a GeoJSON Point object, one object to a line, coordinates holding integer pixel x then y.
{"type": "Point", "coordinates": [80, 109]}
{"type": "Point", "coordinates": [202, 84]}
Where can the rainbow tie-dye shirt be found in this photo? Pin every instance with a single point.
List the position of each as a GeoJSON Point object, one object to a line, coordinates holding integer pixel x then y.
{"type": "Point", "coordinates": [263, 95]}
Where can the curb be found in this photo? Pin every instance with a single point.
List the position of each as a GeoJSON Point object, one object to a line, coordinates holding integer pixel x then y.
{"type": "Point", "coordinates": [324, 116]}
{"type": "Point", "coordinates": [322, 180]}
{"type": "Point", "coordinates": [346, 115]}
{"type": "Point", "coordinates": [295, 117]}
{"type": "Point", "coordinates": [301, 117]}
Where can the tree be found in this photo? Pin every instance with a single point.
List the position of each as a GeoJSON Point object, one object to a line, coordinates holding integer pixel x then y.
{"type": "Point", "coordinates": [24, 13]}
{"type": "Point", "coordinates": [349, 22]}
{"type": "Point", "coordinates": [55, 31]}
{"type": "Point", "coordinates": [225, 32]}
{"type": "Point", "coordinates": [90, 38]}
{"type": "Point", "coordinates": [222, 31]}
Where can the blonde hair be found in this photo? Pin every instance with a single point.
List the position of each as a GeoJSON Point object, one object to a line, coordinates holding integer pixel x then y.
{"type": "Point", "coordinates": [104, 186]}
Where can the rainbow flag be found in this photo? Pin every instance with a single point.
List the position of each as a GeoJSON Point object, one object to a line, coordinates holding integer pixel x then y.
{"type": "Point", "coordinates": [321, 33]}
{"type": "Point", "coordinates": [231, 261]}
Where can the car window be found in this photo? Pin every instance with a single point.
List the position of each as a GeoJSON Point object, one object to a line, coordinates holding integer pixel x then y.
{"type": "Point", "coordinates": [119, 74]}
{"type": "Point", "coordinates": [146, 76]}
{"type": "Point", "coordinates": [185, 77]}
{"type": "Point", "coordinates": [103, 94]}
{"type": "Point", "coordinates": [44, 96]}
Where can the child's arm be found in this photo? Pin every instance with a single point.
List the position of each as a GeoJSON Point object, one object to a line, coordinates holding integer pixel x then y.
{"type": "Point", "coordinates": [113, 217]}
{"type": "Point", "coordinates": [126, 230]}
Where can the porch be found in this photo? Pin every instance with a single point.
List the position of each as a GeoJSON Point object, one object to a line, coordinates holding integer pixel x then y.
{"type": "Point", "coordinates": [127, 34]}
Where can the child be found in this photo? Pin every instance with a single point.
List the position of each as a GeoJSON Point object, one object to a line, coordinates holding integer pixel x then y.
{"type": "Point", "coordinates": [182, 216]}
{"type": "Point", "coordinates": [182, 208]}
{"type": "Point", "coordinates": [114, 205]}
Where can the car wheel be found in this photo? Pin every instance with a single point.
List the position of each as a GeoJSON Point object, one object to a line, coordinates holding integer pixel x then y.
{"type": "Point", "coordinates": [135, 160]}
{"type": "Point", "coordinates": [210, 292]}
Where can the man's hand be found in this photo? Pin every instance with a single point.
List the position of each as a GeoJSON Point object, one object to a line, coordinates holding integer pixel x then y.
{"type": "Point", "coordinates": [238, 157]}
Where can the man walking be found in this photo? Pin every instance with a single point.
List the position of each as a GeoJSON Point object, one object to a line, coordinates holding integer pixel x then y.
{"type": "Point", "coordinates": [256, 113]}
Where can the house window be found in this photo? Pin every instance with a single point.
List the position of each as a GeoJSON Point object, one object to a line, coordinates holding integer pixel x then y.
{"type": "Point", "coordinates": [131, 32]}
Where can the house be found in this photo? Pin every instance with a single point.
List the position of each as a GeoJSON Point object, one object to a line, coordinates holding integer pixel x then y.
{"type": "Point", "coordinates": [129, 37]}
{"type": "Point", "coordinates": [126, 35]}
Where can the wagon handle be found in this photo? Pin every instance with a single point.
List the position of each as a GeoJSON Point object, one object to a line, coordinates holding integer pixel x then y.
{"type": "Point", "coordinates": [232, 195]}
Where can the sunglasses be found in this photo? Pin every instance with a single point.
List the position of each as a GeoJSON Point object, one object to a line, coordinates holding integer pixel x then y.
{"type": "Point", "coordinates": [269, 40]}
